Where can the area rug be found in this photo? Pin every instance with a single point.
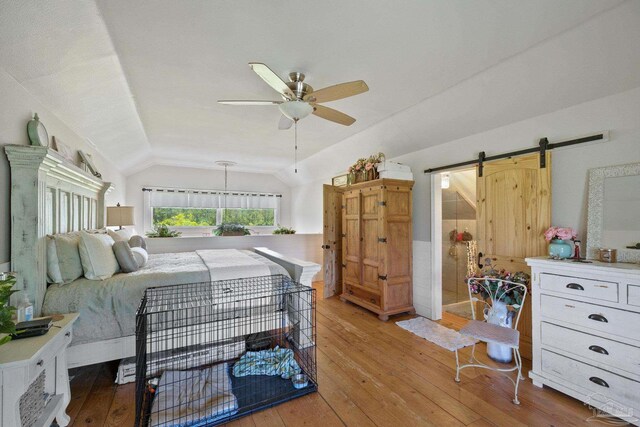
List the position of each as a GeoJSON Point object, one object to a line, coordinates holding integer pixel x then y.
{"type": "Point", "coordinates": [436, 333]}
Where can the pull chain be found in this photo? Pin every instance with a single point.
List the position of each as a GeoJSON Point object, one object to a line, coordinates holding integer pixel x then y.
{"type": "Point", "coordinates": [295, 129]}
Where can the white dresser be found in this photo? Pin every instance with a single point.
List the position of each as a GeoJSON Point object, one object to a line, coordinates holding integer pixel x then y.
{"type": "Point", "coordinates": [586, 332]}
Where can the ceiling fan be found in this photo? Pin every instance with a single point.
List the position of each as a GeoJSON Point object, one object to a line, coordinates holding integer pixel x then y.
{"type": "Point", "coordinates": [300, 100]}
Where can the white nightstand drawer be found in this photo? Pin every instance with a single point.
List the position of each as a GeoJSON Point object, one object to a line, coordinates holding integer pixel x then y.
{"type": "Point", "coordinates": [591, 317]}
{"type": "Point", "coordinates": [590, 347]}
{"type": "Point", "coordinates": [596, 289]}
{"type": "Point", "coordinates": [594, 380]}
{"type": "Point", "coordinates": [633, 295]}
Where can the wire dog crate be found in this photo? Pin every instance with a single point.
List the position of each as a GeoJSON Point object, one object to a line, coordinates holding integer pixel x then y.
{"type": "Point", "coordinates": [208, 353]}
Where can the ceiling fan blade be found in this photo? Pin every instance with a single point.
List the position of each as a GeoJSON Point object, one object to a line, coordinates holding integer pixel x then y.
{"type": "Point", "coordinates": [285, 123]}
{"type": "Point", "coordinates": [272, 79]}
{"type": "Point", "coordinates": [333, 115]}
{"type": "Point", "coordinates": [247, 102]}
{"type": "Point", "coordinates": [339, 91]}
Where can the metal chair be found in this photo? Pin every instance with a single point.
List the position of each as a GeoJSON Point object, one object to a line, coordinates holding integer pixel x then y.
{"type": "Point", "coordinates": [494, 291]}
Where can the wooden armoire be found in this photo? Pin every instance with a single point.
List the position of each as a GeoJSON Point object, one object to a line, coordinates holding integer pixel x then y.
{"type": "Point", "coordinates": [377, 238]}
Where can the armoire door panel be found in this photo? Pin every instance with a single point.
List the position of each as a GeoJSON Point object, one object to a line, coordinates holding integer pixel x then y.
{"type": "Point", "coordinates": [399, 257]}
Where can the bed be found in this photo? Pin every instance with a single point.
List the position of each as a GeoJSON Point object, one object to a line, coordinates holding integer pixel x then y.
{"type": "Point", "coordinates": [51, 195]}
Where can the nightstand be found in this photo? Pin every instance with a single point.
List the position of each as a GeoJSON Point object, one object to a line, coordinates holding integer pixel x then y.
{"type": "Point", "coordinates": [26, 366]}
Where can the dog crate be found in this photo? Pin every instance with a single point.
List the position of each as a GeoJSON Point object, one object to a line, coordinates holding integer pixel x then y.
{"type": "Point", "coordinates": [208, 353]}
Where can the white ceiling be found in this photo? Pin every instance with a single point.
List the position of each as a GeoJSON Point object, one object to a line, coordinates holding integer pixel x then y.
{"type": "Point", "coordinates": [141, 79]}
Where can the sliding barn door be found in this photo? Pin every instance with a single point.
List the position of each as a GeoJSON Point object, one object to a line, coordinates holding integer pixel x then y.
{"type": "Point", "coordinates": [332, 240]}
{"type": "Point", "coordinates": [513, 211]}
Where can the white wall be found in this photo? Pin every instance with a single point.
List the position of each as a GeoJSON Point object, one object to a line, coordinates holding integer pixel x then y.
{"type": "Point", "coordinates": [16, 109]}
{"type": "Point", "coordinates": [204, 179]}
{"type": "Point", "coordinates": [617, 113]}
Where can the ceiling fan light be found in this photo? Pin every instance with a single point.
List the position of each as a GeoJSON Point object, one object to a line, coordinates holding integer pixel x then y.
{"type": "Point", "coordinates": [296, 110]}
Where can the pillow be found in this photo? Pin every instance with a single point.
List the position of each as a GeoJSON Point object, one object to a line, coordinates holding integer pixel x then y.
{"type": "Point", "coordinates": [96, 253]}
{"type": "Point", "coordinates": [53, 266]}
{"type": "Point", "coordinates": [121, 235]}
{"type": "Point", "coordinates": [68, 257]}
{"type": "Point", "coordinates": [125, 257]}
{"type": "Point", "coordinates": [138, 241]}
{"type": "Point", "coordinates": [141, 256]}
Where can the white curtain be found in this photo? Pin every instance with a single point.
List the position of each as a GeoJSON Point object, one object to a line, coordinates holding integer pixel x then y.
{"type": "Point", "coordinates": [177, 198]}
{"type": "Point", "coordinates": [197, 199]}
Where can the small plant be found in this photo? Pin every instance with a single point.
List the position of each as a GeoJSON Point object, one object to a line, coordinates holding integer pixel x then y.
{"type": "Point", "coordinates": [161, 230]}
{"type": "Point", "coordinates": [6, 311]}
{"type": "Point", "coordinates": [231, 230]}
{"type": "Point", "coordinates": [284, 230]}
{"type": "Point", "coordinates": [562, 233]}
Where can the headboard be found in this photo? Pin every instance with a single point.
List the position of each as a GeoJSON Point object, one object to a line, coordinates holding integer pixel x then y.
{"type": "Point", "coordinates": [49, 195]}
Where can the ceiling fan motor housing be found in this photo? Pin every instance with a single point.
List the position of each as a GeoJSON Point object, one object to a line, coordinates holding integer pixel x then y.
{"type": "Point", "coordinates": [297, 85]}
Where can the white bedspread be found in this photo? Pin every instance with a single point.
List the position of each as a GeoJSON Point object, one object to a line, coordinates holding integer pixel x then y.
{"type": "Point", "coordinates": [225, 264]}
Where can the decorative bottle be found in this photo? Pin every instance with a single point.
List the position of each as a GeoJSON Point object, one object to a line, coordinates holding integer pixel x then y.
{"type": "Point", "coordinates": [25, 310]}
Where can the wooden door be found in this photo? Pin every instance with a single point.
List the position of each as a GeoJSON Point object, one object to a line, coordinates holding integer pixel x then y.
{"type": "Point", "coordinates": [396, 263]}
{"type": "Point", "coordinates": [351, 270]}
{"type": "Point", "coordinates": [513, 211]}
{"type": "Point", "coordinates": [371, 230]}
{"type": "Point", "coordinates": [332, 240]}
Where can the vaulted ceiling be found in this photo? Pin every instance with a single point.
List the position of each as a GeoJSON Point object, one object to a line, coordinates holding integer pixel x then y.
{"type": "Point", "coordinates": [140, 79]}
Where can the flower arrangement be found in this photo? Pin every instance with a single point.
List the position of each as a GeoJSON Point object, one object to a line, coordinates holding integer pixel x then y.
{"type": "Point", "coordinates": [365, 164]}
{"type": "Point", "coordinates": [7, 327]}
{"type": "Point", "coordinates": [488, 285]}
{"type": "Point", "coordinates": [562, 233]}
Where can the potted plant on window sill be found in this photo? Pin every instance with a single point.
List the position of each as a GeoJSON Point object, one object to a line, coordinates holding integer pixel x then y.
{"type": "Point", "coordinates": [161, 230]}
{"type": "Point", "coordinates": [284, 230]}
{"type": "Point", "coordinates": [231, 230]}
{"type": "Point", "coordinates": [7, 327]}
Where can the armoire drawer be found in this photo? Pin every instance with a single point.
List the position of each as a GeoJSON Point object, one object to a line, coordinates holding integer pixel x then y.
{"type": "Point", "coordinates": [591, 317]}
{"type": "Point", "coordinates": [588, 288]}
{"type": "Point", "coordinates": [618, 388]}
{"type": "Point", "coordinates": [368, 297]}
{"type": "Point", "coordinates": [590, 347]}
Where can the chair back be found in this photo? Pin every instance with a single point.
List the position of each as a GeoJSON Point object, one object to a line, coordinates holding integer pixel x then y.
{"type": "Point", "coordinates": [501, 295]}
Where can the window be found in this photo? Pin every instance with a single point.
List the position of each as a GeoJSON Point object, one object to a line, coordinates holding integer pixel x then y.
{"type": "Point", "coordinates": [184, 217]}
{"type": "Point", "coordinates": [249, 217]}
{"type": "Point", "coordinates": [199, 209]}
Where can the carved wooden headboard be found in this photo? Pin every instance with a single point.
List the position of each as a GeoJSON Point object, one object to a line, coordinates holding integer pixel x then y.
{"type": "Point", "coordinates": [49, 195]}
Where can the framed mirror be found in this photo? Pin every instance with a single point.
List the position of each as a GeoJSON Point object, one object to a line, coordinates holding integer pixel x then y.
{"type": "Point", "coordinates": [614, 211]}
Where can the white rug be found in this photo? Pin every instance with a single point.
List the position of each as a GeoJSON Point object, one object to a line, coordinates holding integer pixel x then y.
{"type": "Point", "coordinates": [436, 333]}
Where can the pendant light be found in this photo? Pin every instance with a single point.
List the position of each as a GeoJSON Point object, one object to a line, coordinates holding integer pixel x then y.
{"type": "Point", "coordinates": [226, 164]}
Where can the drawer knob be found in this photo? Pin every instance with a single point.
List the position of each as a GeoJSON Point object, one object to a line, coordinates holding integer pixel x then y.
{"type": "Point", "coordinates": [40, 362]}
{"type": "Point", "coordinates": [598, 349]}
{"type": "Point", "coordinates": [350, 292]}
{"type": "Point", "coordinates": [373, 300]}
{"type": "Point", "coordinates": [598, 318]}
{"type": "Point", "coordinates": [575, 286]}
{"type": "Point", "coordinates": [599, 381]}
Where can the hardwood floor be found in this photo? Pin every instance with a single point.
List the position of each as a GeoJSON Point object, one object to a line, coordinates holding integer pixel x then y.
{"type": "Point", "coordinates": [370, 373]}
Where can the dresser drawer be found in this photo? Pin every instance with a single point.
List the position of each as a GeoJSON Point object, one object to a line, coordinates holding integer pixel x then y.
{"type": "Point", "coordinates": [620, 389]}
{"type": "Point", "coordinates": [588, 288]}
{"type": "Point", "coordinates": [368, 297]}
{"type": "Point", "coordinates": [591, 317]}
{"type": "Point", "coordinates": [633, 295]}
{"type": "Point", "coordinates": [591, 347]}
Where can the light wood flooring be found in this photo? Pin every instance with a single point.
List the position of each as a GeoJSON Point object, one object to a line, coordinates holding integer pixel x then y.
{"type": "Point", "coordinates": [370, 373]}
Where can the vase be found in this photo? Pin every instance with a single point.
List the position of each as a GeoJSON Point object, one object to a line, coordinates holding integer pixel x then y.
{"type": "Point", "coordinates": [560, 249]}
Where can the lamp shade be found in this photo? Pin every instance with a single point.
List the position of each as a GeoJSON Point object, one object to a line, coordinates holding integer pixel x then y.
{"type": "Point", "coordinates": [296, 110]}
{"type": "Point", "coordinates": [119, 215]}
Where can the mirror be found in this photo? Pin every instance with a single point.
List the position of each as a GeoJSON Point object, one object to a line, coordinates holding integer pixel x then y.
{"type": "Point", "coordinates": [614, 211]}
